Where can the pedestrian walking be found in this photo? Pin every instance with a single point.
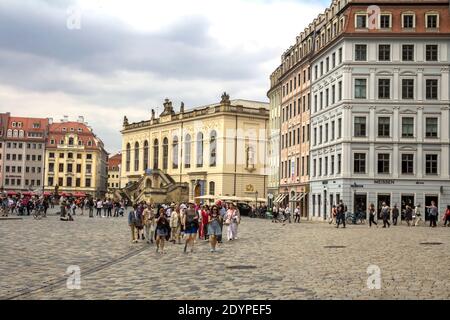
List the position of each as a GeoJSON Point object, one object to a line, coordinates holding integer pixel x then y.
{"type": "Point", "coordinates": [191, 224]}
{"type": "Point", "coordinates": [433, 214]}
{"type": "Point", "coordinates": [297, 214]}
{"type": "Point", "coordinates": [372, 215]}
{"type": "Point", "coordinates": [395, 215]}
{"type": "Point", "coordinates": [417, 217]}
{"type": "Point", "coordinates": [275, 214]}
{"type": "Point", "coordinates": [175, 225]}
{"type": "Point", "coordinates": [333, 215]}
{"type": "Point", "coordinates": [447, 217]}
{"type": "Point", "coordinates": [99, 208]}
{"type": "Point", "coordinates": [341, 209]}
{"type": "Point", "coordinates": [408, 215]}
{"type": "Point", "coordinates": [132, 221]}
{"type": "Point", "coordinates": [287, 213]}
{"type": "Point", "coordinates": [214, 229]}
{"type": "Point", "coordinates": [162, 231]}
{"type": "Point", "coordinates": [149, 223]}
{"type": "Point", "coordinates": [385, 211]}
{"type": "Point", "coordinates": [232, 221]}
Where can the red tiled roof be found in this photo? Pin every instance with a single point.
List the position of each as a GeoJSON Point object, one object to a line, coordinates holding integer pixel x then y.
{"type": "Point", "coordinates": [57, 133]}
{"type": "Point", "coordinates": [114, 161]}
{"type": "Point", "coordinates": [27, 125]}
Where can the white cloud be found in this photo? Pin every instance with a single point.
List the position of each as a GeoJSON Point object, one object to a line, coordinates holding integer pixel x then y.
{"type": "Point", "coordinates": [142, 52]}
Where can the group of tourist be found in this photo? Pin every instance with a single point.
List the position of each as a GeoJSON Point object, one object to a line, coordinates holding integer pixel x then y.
{"type": "Point", "coordinates": [283, 214]}
{"type": "Point", "coordinates": [23, 205]}
{"type": "Point", "coordinates": [183, 222]}
{"type": "Point", "coordinates": [412, 216]}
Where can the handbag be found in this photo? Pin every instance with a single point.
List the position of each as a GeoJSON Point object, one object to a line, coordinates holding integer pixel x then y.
{"type": "Point", "coordinates": [227, 222]}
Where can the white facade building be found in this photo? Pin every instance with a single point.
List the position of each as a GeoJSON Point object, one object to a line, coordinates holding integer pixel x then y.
{"type": "Point", "coordinates": [380, 123]}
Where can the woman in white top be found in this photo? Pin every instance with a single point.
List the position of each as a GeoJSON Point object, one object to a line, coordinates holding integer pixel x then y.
{"type": "Point", "coordinates": [232, 220]}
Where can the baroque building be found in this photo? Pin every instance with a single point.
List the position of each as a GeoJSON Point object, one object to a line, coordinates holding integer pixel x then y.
{"type": "Point", "coordinates": [214, 150]}
{"type": "Point", "coordinates": [75, 159]}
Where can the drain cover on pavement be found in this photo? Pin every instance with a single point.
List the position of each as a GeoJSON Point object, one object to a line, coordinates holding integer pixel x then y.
{"type": "Point", "coordinates": [430, 243]}
{"type": "Point", "coordinates": [241, 267]}
{"type": "Point", "coordinates": [335, 247]}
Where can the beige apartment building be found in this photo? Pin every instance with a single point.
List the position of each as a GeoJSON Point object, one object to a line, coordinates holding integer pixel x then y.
{"type": "Point", "coordinates": [214, 150]}
{"type": "Point", "coordinates": [76, 161]}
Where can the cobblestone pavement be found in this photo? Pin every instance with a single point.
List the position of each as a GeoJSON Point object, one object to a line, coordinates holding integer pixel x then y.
{"type": "Point", "coordinates": [290, 261]}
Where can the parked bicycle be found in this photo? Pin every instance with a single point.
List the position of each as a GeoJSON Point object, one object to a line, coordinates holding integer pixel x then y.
{"type": "Point", "coordinates": [355, 218]}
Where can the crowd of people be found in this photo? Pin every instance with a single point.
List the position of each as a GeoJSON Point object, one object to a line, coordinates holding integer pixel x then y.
{"type": "Point", "coordinates": [412, 216]}
{"type": "Point", "coordinates": [185, 222]}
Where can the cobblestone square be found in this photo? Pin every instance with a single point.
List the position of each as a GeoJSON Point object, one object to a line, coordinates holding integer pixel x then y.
{"type": "Point", "coordinates": [268, 261]}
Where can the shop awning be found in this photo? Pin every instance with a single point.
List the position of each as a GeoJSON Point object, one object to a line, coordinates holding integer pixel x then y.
{"type": "Point", "coordinates": [298, 197]}
{"type": "Point", "coordinates": [280, 198]}
{"type": "Point", "coordinates": [79, 194]}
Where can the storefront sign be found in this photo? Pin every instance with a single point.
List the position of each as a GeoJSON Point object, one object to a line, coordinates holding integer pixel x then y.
{"type": "Point", "coordinates": [384, 181]}
{"type": "Point", "coordinates": [420, 182]}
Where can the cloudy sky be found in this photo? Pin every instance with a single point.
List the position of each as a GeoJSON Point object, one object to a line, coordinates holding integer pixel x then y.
{"type": "Point", "coordinates": [104, 59]}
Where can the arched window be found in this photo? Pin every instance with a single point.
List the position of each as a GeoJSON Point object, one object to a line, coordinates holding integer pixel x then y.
{"type": "Point", "coordinates": [199, 150]}
{"type": "Point", "coordinates": [187, 152]}
{"type": "Point", "coordinates": [128, 159]}
{"type": "Point", "coordinates": [175, 152]}
{"type": "Point", "coordinates": [16, 133]}
{"type": "Point", "coordinates": [155, 154]}
{"type": "Point", "coordinates": [145, 155]}
{"type": "Point", "coordinates": [70, 141]}
{"type": "Point", "coordinates": [212, 149]}
{"type": "Point", "coordinates": [21, 133]}
{"type": "Point", "coordinates": [9, 133]}
{"type": "Point", "coordinates": [212, 188]}
{"type": "Point", "coordinates": [165, 153]}
{"type": "Point", "coordinates": [136, 156]}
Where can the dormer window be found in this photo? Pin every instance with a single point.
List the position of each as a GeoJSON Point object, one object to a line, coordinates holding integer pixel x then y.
{"type": "Point", "coordinates": [61, 142]}
{"type": "Point", "coordinates": [52, 141]}
{"type": "Point", "coordinates": [19, 124]}
{"type": "Point", "coordinates": [432, 20]}
{"type": "Point", "coordinates": [385, 21]}
{"type": "Point", "coordinates": [89, 143]}
{"type": "Point", "coordinates": [64, 129]}
{"type": "Point", "coordinates": [361, 21]}
{"type": "Point", "coordinates": [36, 125]}
{"type": "Point", "coordinates": [408, 21]}
{"type": "Point", "coordinates": [72, 129]}
{"type": "Point", "coordinates": [80, 130]}
{"type": "Point", "coordinates": [13, 124]}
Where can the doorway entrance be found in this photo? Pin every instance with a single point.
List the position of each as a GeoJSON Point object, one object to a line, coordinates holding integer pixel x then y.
{"type": "Point", "coordinates": [325, 207]}
{"type": "Point", "coordinates": [380, 199]}
{"type": "Point", "coordinates": [428, 200]}
{"type": "Point", "coordinates": [360, 204]}
{"type": "Point", "coordinates": [407, 200]}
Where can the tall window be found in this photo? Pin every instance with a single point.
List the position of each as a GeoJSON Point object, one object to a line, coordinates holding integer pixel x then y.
{"type": "Point", "coordinates": [155, 154]}
{"type": "Point", "coordinates": [407, 164]}
{"type": "Point", "coordinates": [432, 89]}
{"type": "Point", "coordinates": [136, 156]}
{"type": "Point", "coordinates": [407, 127]}
{"type": "Point", "coordinates": [431, 52]}
{"type": "Point", "coordinates": [360, 126]}
{"type": "Point", "coordinates": [360, 52]}
{"type": "Point", "coordinates": [408, 52]}
{"type": "Point", "coordinates": [175, 153]}
{"type": "Point", "coordinates": [384, 52]}
{"type": "Point", "coordinates": [431, 164]}
{"type": "Point", "coordinates": [384, 127]}
{"type": "Point", "coordinates": [360, 88]}
{"type": "Point", "coordinates": [165, 153]}
{"type": "Point", "coordinates": [199, 150]}
{"type": "Point", "coordinates": [359, 163]}
{"type": "Point", "coordinates": [361, 21]}
{"type": "Point", "coordinates": [128, 157]}
{"type": "Point", "coordinates": [385, 21]}
{"type": "Point", "coordinates": [187, 151]}
{"type": "Point", "coordinates": [408, 89]}
{"type": "Point", "coordinates": [383, 163]}
{"type": "Point", "coordinates": [145, 155]}
{"type": "Point", "coordinates": [431, 128]}
{"type": "Point", "coordinates": [212, 188]}
{"type": "Point", "coordinates": [408, 21]}
{"type": "Point", "coordinates": [70, 141]}
{"type": "Point", "coordinates": [384, 88]}
{"type": "Point", "coordinates": [432, 21]}
{"type": "Point", "coordinates": [212, 149]}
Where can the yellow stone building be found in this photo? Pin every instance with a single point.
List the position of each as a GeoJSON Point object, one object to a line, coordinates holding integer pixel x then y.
{"type": "Point", "coordinates": [75, 160]}
{"type": "Point", "coordinates": [218, 149]}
